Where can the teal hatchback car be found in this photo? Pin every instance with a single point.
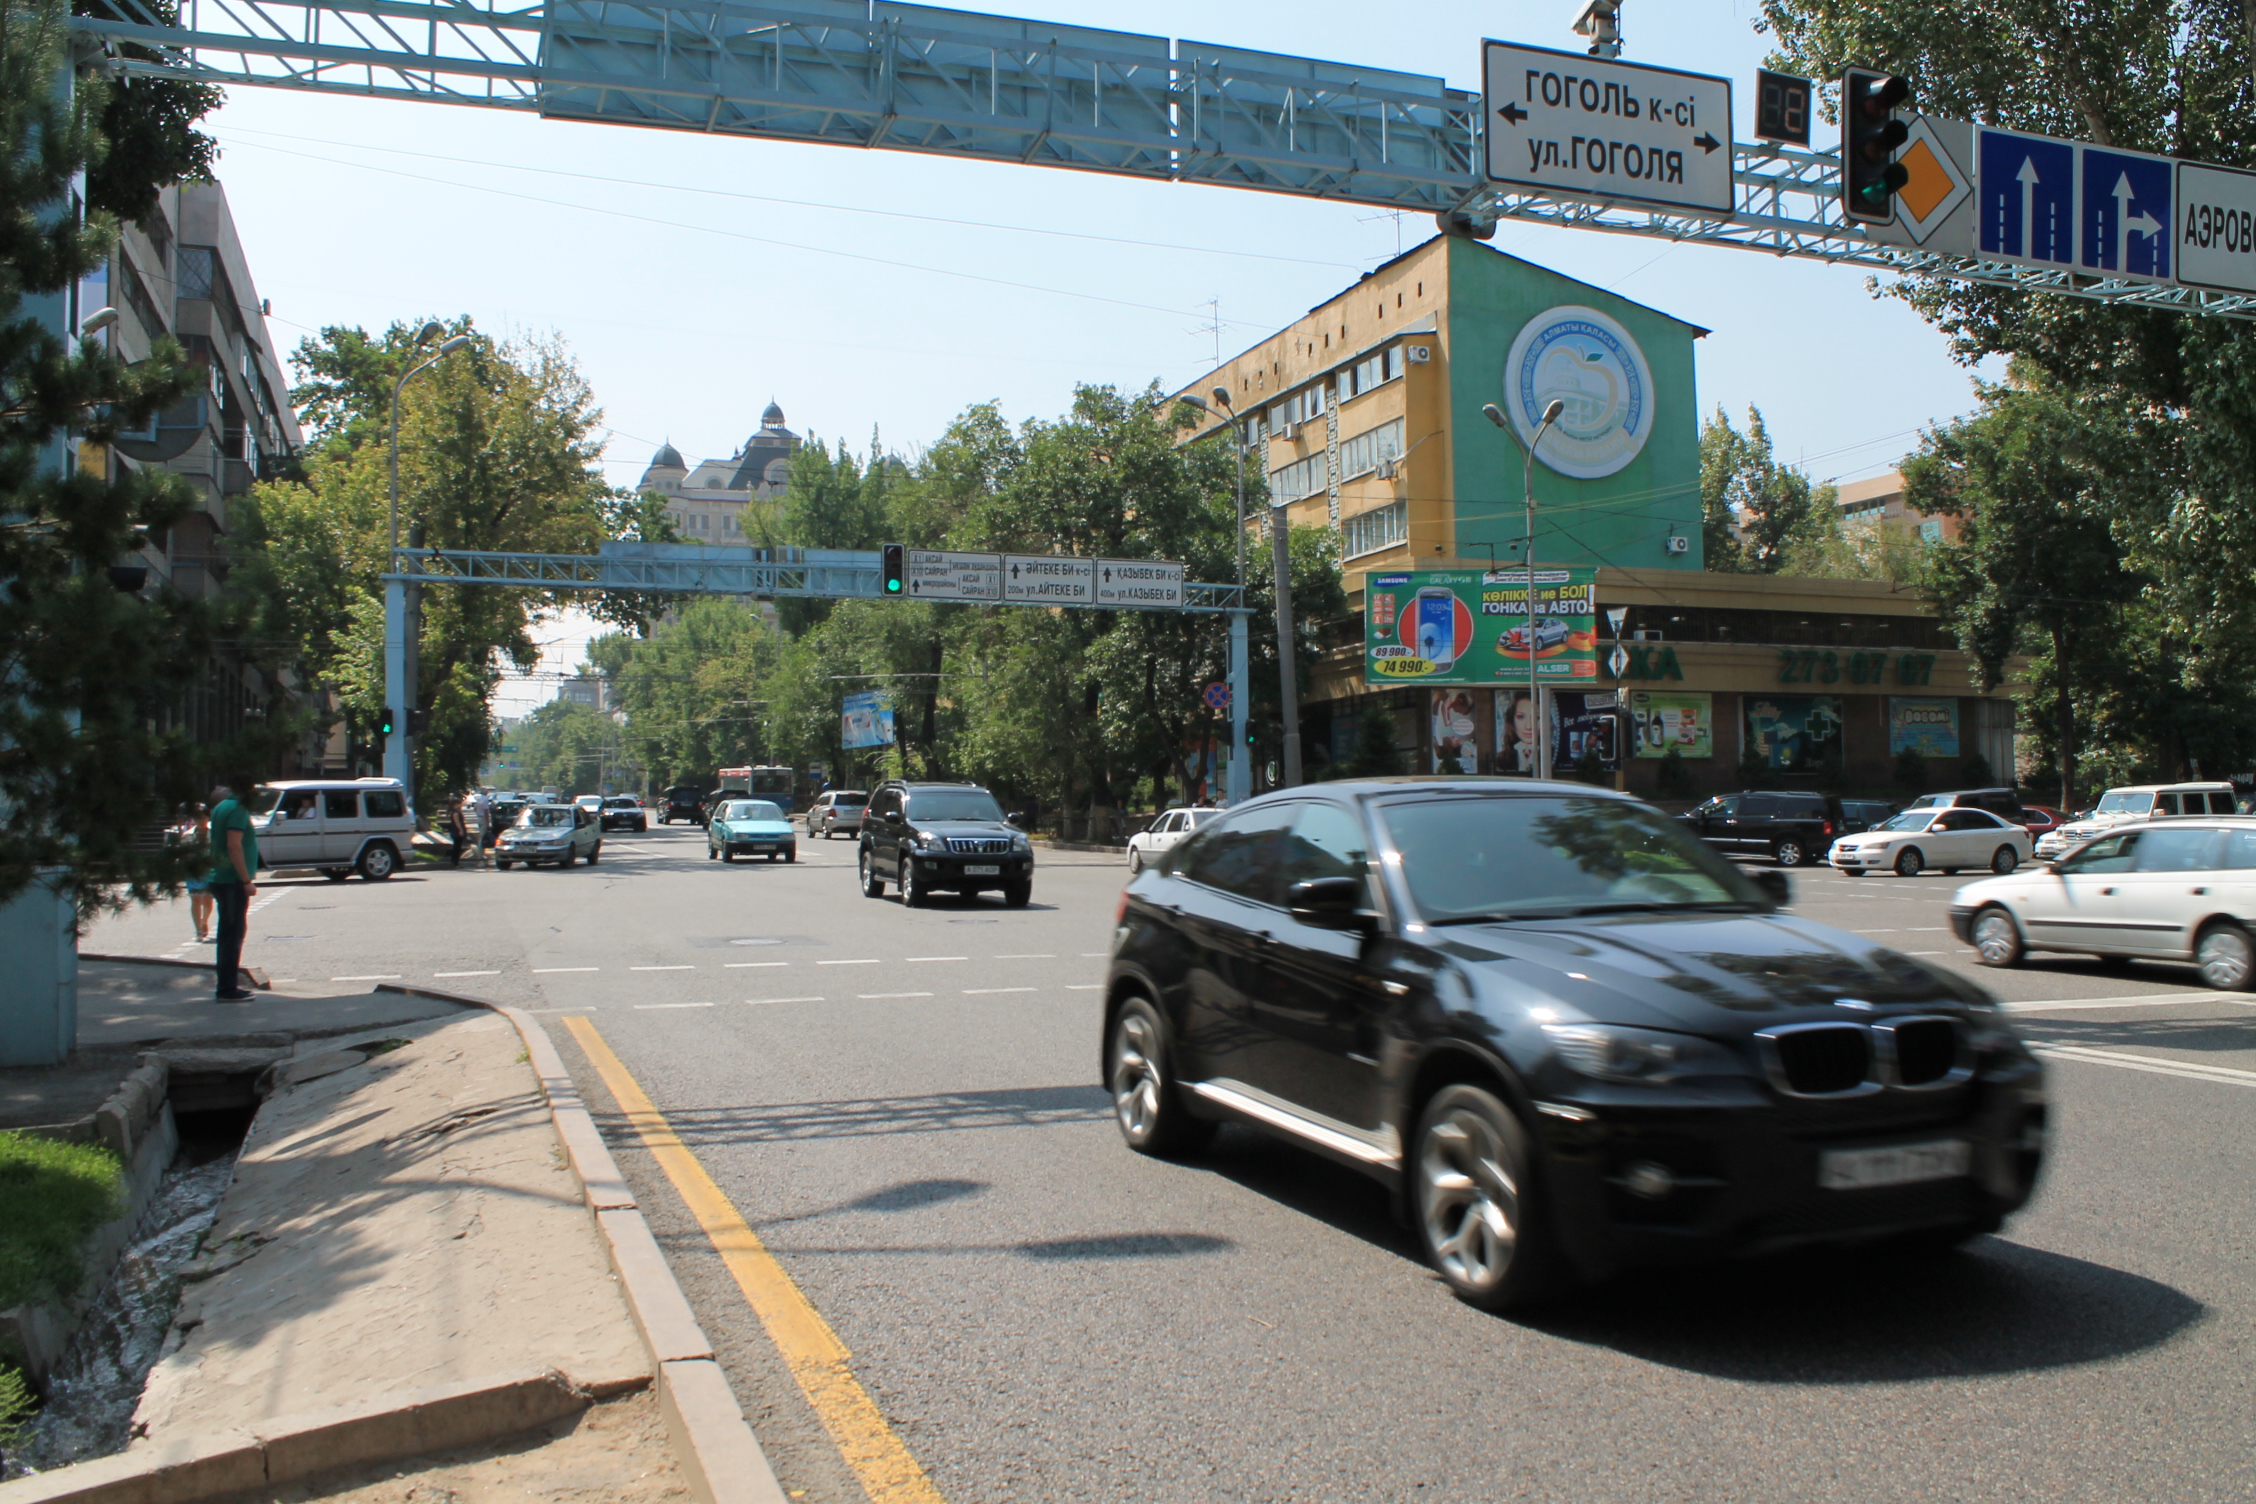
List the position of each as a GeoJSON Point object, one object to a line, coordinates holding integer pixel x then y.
{"type": "Point", "coordinates": [750, 827]}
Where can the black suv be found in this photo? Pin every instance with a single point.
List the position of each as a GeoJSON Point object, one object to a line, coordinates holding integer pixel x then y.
{"type": "Point", "coordinates": [1793, 830]}
{"type": "Point", "coordinates": [1567, 1037]}
{"type": "Point", "coordinates": [683, 802]}
{"type": "Point", "coordinates": [624, 812]}
{"type": "Point", "coordinates": [2003, 803]}
{"type": "Point", "coordinates": [933, 836]}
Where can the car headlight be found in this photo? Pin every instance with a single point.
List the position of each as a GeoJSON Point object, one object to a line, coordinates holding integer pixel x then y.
{"type": "Point", "coordinates": [1615, 1052]}
{"type": "Point", "coordinates": [1020, 843]}
{"type": "Point", "coordinates": [928, 839]}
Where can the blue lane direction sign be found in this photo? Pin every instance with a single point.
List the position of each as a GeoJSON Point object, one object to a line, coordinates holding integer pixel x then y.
{"type": "Point", "coordinates": [2028, 198]}
{"type": "Point", "coordinates": [2216, 227]}
{"type": "Point", "coordinates": [2125, 223]}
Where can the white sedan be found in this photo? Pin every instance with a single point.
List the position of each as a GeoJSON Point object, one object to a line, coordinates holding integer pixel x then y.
{"type": "Point", "coordinates": [1945, 839]}
{"type": "Point", "coordinates": [2165, 892]}
{"type": "Point", "coordinates": [1163, 834]}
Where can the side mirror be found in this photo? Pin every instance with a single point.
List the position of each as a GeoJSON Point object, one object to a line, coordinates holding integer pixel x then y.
{"type": "Point", "coordinates": [1332, 903]}
{"type": "Point", "coordinates": [1776, 887]}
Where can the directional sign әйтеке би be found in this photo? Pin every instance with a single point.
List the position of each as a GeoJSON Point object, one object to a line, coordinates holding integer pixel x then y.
{"type": "Point", "coordinates": [2216, 215]}
{"type": "Point", "coordinates": [1049, 580]}
{"type": "Point", "coordinates": [938, 576]}
{"type": "Point", "coordinates": [2124, 224]}
{"type": "Point", "coordinates": [1139, 584]}
{"type": "Point", "coordinates": [1586, 128]}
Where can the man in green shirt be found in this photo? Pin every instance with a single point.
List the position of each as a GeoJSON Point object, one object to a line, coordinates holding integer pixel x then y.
{"type": "Point", "coordinates": [234, 865]}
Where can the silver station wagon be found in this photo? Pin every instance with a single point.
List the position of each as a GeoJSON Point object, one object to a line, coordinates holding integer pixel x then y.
{"type": "Point", "coordinates": [2176, 890]}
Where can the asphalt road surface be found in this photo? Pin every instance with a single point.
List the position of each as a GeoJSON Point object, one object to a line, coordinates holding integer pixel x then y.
{"type": "Point", "coordinates": [904, 1104]}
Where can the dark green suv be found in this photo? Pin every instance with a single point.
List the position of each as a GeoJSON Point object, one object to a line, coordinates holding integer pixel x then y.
{"type": "Point", "coordinates": [952, 837]}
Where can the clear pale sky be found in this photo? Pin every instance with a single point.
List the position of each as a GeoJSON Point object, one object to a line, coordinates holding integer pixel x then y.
{"type": "Point", "coordinates": [691, 296]}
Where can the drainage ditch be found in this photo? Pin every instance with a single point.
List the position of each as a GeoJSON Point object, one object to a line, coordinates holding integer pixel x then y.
{"type": "Point", "coordinates": [94, 1388]}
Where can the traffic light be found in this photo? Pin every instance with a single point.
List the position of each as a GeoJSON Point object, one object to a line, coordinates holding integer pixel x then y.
{"type": "Point", "coordinates": [892, 568]}
{"type": "Point", "coordinates": [1870, 135]}
{"type": "Point", "coordinates": [418, 722]}
{"type": "Point", "coordinates": [384, 721]}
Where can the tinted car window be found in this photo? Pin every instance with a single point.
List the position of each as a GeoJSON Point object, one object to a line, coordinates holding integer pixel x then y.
{"type": "Point", "coordinates": [2221, 804]}
{"type": "Point", "coordinates": [953, 804]}
{"type": "Point", "coordinates": [386, 804]}
{"type": "Point", "coordinates": [341, 804]}
{"type": "Point", "coordinates": [1472, 858]}
{"type": "Point", "coordinates": [1326, 841]}
{"type": "Point", "coordinates": [1242, 855]}
{"type": "Point", "coordinates": [2178, 850]}
{"type": "Point", "coordinates": [2107, 854]}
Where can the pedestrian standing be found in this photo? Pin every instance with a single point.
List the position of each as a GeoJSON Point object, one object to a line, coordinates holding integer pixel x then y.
{"type": "Point", "coordinates": [458, 830]}
{"type": "Point", "coordinates": [234, 865]}
{"type": "Point", "coordinates": [481, 822]}
{"type": "Point", "coordinates": [195, 834]}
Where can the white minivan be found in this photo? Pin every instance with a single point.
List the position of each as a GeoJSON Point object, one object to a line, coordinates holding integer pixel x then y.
{"type": "Point", "coordinates": [340, 826]}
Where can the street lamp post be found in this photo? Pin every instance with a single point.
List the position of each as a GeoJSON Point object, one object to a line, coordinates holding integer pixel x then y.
{"type": "Point", "coordinates": [1495, 415]}
{"type": "Point", "coordinates": [1240, 770]}
{"type": "Point", "coordinates": [401, 600]}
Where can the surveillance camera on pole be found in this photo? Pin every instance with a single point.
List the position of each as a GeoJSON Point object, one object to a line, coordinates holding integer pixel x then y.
{"type": "Point", "coordinates": [1601, 22]}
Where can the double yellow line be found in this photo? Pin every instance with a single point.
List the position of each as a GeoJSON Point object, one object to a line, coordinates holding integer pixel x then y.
{"type": "Point", "coordinates": [812, 1351]}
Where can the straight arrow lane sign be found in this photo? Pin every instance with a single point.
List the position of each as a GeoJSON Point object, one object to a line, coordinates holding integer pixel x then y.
{"type": "Point", "coordinates": [1611, 132]}
{"type": "Point", "coordinates": [2026, 198]}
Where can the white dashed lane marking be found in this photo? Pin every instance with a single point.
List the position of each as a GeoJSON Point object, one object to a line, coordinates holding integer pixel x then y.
{"type": "Point", "coordinates": [661, 968]}
{"type": "Point", "coordinates": [868, 997]}
{"type": "Point", "coordinates": [465, 974]}
{"type": "Point", "coordinates": [654, 1007]}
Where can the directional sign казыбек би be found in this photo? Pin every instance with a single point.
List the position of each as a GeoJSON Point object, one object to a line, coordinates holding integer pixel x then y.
{"type": "Point", "coordinates": [1585, 128]}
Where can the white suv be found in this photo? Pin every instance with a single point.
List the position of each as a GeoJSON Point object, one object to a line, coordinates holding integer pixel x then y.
{"type": "Point", "coordinates": [2140, 801]}
{"type": "Point", "coordinates": [363, 825]}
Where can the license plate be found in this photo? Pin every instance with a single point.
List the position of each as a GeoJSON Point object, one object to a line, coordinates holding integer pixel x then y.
{"type": "Point", "coordinates": [983, 872]}
{"type": "Point", "coordinates": [1902, 1164]}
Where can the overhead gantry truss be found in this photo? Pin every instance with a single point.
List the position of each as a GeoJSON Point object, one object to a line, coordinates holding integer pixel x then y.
{"type": "Point", "coordinates": [694, 569]}
{"type": "Point", "coordinates": [999, 89]}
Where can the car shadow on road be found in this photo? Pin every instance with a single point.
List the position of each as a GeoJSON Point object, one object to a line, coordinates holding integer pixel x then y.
{"type": "Point", "coordinates": [1309, 1184]}
{"type": "Point", "coordinates": [1993, 1307]}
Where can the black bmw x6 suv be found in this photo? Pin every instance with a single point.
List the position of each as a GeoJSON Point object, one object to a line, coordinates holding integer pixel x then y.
{"type": "Point", "coordinates": [933, 836]}
{"type": "Point", "coordinates": [1569, 1036]}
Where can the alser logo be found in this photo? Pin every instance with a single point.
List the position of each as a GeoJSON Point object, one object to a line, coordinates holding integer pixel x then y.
{"type": "Point", "coordinates": [1590, 363]}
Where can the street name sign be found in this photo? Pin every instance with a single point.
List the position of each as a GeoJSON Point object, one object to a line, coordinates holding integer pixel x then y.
{"type": "Point", "coordinates": [1146, 584]}
{"type": "Point", "coordinates": [2217, 227]}
{"type": "Point", "coordinates": [1583, 127]}
{"type": "Point", "coordinates": [938, 576]}
{"type": "Point", "coordinates": [1049, 580]}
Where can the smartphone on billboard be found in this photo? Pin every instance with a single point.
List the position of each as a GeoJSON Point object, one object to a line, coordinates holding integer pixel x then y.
{"type": "Point", "coordinates": [1436, 621]}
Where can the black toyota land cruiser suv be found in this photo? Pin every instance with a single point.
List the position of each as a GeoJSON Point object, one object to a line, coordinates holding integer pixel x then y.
{"type": "Point", "coordinates": [930, 837]}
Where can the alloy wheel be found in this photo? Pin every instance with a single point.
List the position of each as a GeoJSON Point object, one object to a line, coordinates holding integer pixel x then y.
{"type": "Point", "coordinates": [1136, 1082]}
{"type": "Point", "coordinates": [1996, 939]}
{"type": "Point", "coordinates": [1909, 861]}
{"type": "Point", "coordinates": [2226, 958]}
{"type": "Point", "coordinates": [1469, 1201]}
{"type": "Point", "coordinates": [2005, 860]}
{"type": "Point", "coordinates": [1789, 853]}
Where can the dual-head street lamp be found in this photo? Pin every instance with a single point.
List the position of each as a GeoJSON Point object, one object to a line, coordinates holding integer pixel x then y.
{"type": "Point", "coordinates": [1536, 720]}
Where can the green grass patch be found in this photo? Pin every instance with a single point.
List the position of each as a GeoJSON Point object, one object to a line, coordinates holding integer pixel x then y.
{"type": "Point", "coordinates": [51, 1196]}
{"type": "Point", "coordinates": [16, 1407]}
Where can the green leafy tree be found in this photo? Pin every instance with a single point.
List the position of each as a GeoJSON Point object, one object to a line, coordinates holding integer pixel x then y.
{"type": "Point", "coordinates": [498, 451]}
{"type": "Point", "coordinates": [91, 673]}
{"type": "Point", "coordinates": [1755, 513]}
{"type": "Point", "coordinates": [2036, 567]}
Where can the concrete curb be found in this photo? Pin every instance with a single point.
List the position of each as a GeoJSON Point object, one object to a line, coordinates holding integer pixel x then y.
{"type": "Point", "coordinates": [720, 1457]}
{"type": "Point", "coordinates": [290, 1448]}
{"type": "Point", "coordinates": [1049, 845]}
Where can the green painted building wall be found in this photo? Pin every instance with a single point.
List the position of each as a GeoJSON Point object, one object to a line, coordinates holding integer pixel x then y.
{"type": "Point", "coordinates": [1622, 520]}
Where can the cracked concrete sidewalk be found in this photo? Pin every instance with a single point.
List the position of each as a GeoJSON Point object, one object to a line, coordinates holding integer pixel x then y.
{"type": "Point", "coordinates": [400, 1220]}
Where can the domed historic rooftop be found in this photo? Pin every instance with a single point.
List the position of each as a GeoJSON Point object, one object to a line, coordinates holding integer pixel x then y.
{"type": "Point", "coordinates": [667, 458]}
